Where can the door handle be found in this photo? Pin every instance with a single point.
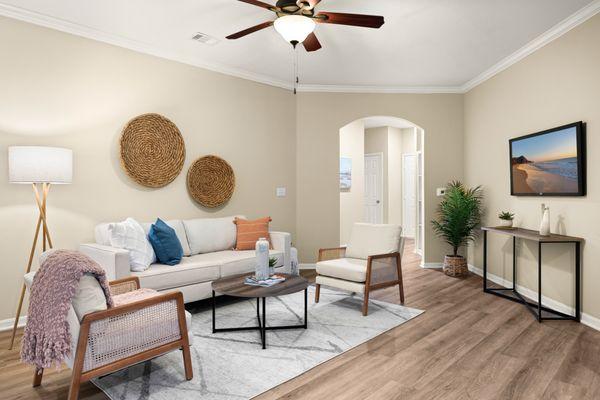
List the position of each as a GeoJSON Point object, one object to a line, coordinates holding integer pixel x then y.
{"type": "Point", "coordinates": [377, 202]}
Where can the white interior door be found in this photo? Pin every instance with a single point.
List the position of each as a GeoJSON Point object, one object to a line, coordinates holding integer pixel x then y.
{"type": "Point", "coordinates": [374, 188]}
{"type": "Point", "coordinates": [409, 194]}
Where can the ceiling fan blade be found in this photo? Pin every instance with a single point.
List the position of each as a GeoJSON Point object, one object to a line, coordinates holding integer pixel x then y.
{"type": "Point", "coordinates": [366, 21]}
{"type": "Point", "coordinates": [259, 4]}
{"type": "Point", "coordinates": [248, 31]}
{"type": "Point", "coordinates": [311, 3]}
{"type": "Point", "coordinates": [311, 43]}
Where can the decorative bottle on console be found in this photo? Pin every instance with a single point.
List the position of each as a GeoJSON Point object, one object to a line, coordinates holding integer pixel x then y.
{"type": "Point", "coordinates": [545, 224]}
{"type": "Point", "coordinates": [262, 259]}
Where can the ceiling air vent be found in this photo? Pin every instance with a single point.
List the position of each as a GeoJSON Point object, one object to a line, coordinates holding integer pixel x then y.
{"type": "Point", "coordinates": [205, 39]}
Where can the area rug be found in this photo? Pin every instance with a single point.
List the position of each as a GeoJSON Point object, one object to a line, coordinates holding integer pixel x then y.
{"type": "Point", "coordinates": [233, 365]}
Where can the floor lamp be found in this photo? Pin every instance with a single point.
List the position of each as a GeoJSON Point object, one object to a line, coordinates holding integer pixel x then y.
{"type": "Point", "coordinates": [39, 167]}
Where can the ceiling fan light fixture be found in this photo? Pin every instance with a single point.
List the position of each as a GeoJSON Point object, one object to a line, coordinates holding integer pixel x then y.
{"type": "Point", "coordinates": [294, 28]}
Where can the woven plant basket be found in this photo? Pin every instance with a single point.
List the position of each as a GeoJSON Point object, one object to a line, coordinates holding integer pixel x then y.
{"type": "Point", "coordinates": [455, 266]}
{"type": "Point", "coordinates": [152, 150]}
{"type": "Point", "coordinates": [211, 181]}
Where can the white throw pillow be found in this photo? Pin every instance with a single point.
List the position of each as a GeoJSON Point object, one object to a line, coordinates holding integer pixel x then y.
{"type": "Point", "coordinates": [207, 235]}
{"type": "Point", "coordinates": [89, 296]}
{"type": "Point", "coordinates": [130, 235]}
{"type": "Point", "coordinates": [373, 239]}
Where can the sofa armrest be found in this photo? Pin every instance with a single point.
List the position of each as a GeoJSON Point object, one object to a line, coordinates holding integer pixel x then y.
{"type": "Point", "coordinates": [114, 261]}
{"type": "Point", "coordinates": [282, 241]}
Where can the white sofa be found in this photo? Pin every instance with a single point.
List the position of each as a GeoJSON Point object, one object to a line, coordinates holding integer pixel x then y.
{"type": "Point", "coordinates": [208, 255]}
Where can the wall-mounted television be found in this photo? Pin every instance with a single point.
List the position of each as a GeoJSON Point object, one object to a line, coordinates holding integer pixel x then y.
{"type": "Point", "coordinates": [549, 163]}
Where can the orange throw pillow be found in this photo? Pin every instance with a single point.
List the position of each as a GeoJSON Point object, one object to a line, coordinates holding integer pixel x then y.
{"type": "Point", "coordinates": [248, 232]}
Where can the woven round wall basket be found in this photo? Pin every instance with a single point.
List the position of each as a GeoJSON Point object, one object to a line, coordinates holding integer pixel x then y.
{"type": "Point", "coordinates": [211, 181]}
{"type": "Point", "coordinates": [152, 150]}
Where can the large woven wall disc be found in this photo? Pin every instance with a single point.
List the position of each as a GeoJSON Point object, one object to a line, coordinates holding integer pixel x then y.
{"type": "Point", "coordinates": [152, 150]}
{"type": "Point", "coordinates": [211, 181]}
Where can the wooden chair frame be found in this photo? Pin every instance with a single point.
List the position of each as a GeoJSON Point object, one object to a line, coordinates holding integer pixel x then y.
{"type": "Point", "coordinates": [368, 285]}
{"type": "Point", "coordinates": [78, 376]}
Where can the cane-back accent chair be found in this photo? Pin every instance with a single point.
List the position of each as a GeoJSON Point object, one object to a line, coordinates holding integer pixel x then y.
{"type": "Point", "coordinates": [109, 340]}
{"type": "Point", "coordinates": [372, 260]}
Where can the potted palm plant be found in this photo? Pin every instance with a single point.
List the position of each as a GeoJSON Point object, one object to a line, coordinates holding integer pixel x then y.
{"type": "Point", "coordinates": [459, 215]}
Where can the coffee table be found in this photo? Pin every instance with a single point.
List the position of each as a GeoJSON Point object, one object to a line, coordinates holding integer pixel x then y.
{"type": "Point", "coordinates": [234, 286]}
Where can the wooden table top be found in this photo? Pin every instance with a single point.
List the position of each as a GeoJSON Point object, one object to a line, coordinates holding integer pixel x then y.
{"type": "Point", "coordinates": [234, 286]}
{"type": "Point", "coordinates": [530, 234]}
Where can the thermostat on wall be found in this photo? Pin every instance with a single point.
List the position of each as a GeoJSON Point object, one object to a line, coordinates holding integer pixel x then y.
{"type": "Point", "coordinates": [280, 192]}
{"type": "Point", "coordinates": [440, 191]}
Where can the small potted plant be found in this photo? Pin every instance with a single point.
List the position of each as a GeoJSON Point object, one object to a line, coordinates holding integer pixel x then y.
{"type": "Point", "coordinates": [459, 215]}
{"type": "Point", "coordinates": [506, 219]}
{"type": "Point", "coordinates": [272, 264]}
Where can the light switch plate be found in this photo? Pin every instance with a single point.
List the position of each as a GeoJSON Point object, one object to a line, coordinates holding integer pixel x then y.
{"type": "Point", "coordinates": [440, 192]}
{"type": "Point", "coordinates": [280, 192]}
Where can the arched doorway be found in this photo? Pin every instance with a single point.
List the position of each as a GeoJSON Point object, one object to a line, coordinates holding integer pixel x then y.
{"type": "Point", "coordinates": [381, 176]}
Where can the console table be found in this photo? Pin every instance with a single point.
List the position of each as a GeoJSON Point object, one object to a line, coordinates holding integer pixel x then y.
{"type": "Point", "coordinates": [536, 309]}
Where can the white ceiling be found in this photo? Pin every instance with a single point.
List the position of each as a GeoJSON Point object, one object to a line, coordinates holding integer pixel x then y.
{"type": "Point", "coordinates": [428, 44]}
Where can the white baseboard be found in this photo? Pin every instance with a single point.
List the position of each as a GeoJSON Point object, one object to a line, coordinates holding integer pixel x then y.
{"type": "Point", "coordinates": [306, 266]}
{"type": "Point", "coordinates": [7, 324]}
{"type": "Point", "coordinates": [586, 319]}
{"type": "Point", "coordinates": [432, 265]}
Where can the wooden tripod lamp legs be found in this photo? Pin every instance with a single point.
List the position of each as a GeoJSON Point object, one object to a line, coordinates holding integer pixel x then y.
{"type": "Point", "coordinates": [46, 242]}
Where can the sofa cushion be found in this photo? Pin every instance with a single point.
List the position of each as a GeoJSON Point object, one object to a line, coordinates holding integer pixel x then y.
{"type": "Point", "coordinates": [176, 224]}
{"type": "Point", "coordinates": [372, 239]}
{"type": "Point", "coordinates": [207, 235]}
{"type": "Point", "coordinates": [249, 232]}
{"type": "Point", "coordinates": [165, 243]}
{"type": "Point", "coordinates": [130, 235]}
{"type": "Point", "coordinates": [350, 269]}
{"type": "Point", "coordinates": [191, 270]}
{"type": "Point", "coordinates": [243, 261]}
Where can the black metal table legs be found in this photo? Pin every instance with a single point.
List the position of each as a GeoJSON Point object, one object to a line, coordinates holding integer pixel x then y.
{"type": "Point", "coordinates": [537, 310]}
{"type": "Point", "coordinates": [261, 318]}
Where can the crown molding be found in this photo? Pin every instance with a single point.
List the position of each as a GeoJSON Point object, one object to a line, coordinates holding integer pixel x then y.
{"type": "Point", "coordinates": [121, 41]}
{"type": "Point", "coordinates": [554, 33]}
{"type": "Point", "coordinates": [95, 34]}
{"type": "Point", "coordinates": [379, 89]}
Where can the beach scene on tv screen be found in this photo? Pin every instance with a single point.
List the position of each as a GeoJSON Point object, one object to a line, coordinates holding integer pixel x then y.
{"type": "Point", "coordinates": [546, 163]}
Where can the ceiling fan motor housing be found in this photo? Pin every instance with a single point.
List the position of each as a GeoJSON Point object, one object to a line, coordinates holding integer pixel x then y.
{"type": "Point", "coordinates": [294, 7]}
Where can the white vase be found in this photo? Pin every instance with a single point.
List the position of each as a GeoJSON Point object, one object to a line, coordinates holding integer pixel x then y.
{"type": "Point", "coordinates": [294, 261]}
{"type": "Point", "coordinates": [545, 224]}
{"type": "Point", "coordinates": [262, 259]}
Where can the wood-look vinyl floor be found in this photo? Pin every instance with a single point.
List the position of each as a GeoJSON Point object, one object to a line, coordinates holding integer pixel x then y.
{"type": "Point", "coordinates": [467, 345]}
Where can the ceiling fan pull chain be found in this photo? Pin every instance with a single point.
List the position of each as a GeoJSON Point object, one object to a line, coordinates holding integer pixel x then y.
{"type": "Point", "coordinates": [296, 80]}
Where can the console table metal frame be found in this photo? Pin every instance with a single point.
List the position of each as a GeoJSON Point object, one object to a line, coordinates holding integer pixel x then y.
{"type": "Point", "coordinates": [535, 309]}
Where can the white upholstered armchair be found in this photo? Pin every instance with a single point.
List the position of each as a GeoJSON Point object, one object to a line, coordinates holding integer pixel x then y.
{"type": "Point", "coordinates": [372, 260]}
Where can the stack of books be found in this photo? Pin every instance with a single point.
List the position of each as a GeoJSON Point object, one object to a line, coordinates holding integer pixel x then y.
{"type": "Point", "coordinates": [270, 281]}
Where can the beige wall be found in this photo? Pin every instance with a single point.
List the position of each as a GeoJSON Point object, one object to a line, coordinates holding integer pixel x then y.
{"type": "Point", "coordinates": [352, 145]}
{"type": "Point", "coordinates": [62, 90]}
{"type": "Point", "coordinates": [394, 174]}
{"type": "Point", "coordinates": [558, 84]}
{"type": "Point", "coordinates": [319, 119]}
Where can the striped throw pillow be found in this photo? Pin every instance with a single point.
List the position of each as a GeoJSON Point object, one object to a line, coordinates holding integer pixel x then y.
{"type": "Point", "coordinates": [248, 232]}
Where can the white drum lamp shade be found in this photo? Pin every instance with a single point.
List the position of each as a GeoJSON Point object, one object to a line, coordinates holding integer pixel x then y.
{"type": "Point", "coordinates": [38, 164]}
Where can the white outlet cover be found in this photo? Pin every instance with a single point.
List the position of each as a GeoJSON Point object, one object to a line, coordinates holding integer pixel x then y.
{"type": "Point", "coordinates": [281, 192]}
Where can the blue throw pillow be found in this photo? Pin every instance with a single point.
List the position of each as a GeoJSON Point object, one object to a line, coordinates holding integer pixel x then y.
{"type": "Point", "coordinates": [165, 242]}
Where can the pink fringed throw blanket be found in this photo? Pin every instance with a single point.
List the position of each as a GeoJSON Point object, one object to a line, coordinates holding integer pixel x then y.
{"type": "Point", "coordinates": [47, 339]}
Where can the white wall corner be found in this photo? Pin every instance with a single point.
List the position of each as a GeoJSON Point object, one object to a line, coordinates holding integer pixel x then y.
{"type": "Point", "coordinates": [7, 324]}
{"type": "Point", "coordinates": [586, 319]}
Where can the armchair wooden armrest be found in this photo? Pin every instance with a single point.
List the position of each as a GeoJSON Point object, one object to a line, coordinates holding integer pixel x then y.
{"type": "Point", "coordinates": [331, 253]}
{"type": "Point", "coordinates": [124, 285]}
{"type": "Point", "coordinates": [118, 337]}
{"type": "Point", "coordinates": [384, 270]}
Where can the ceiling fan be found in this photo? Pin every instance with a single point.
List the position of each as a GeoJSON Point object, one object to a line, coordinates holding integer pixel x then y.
{"type": "Point", "coordinates": [296, 21]}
